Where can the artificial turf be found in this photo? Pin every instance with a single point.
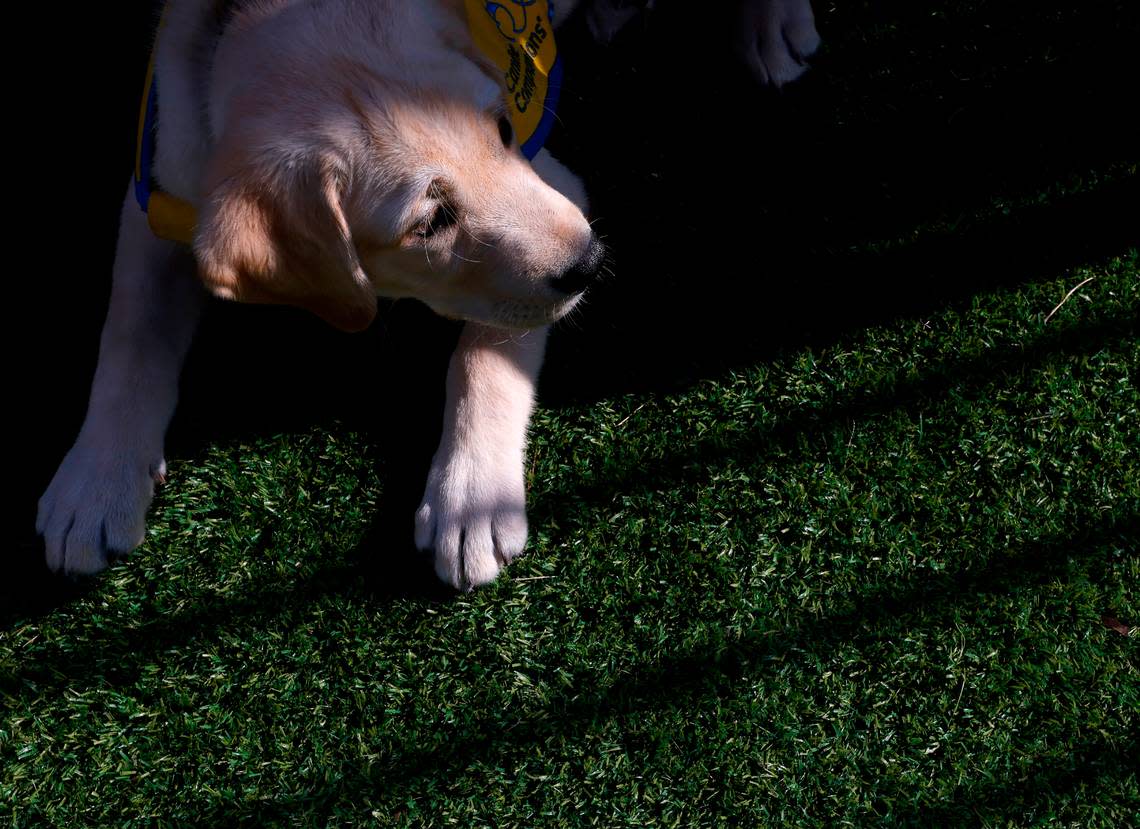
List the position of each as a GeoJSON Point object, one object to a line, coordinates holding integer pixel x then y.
{"type": "Point", "coordinates": [880, 570]}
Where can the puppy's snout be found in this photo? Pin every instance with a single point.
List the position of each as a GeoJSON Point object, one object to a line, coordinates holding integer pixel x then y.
{"type": "Point", "coordinates": [579, 275]}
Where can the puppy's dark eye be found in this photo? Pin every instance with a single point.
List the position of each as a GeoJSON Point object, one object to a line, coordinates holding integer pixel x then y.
{"type": "Point", "coordinates": [441, 219]}
{"type": "Point", "coordinates": [506, 132]}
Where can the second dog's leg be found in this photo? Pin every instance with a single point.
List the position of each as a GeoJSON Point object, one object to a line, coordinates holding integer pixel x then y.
{"type": "Point", "coordinates": [473, 513]}
{"type": "Point", "coordinates": [95, 507]}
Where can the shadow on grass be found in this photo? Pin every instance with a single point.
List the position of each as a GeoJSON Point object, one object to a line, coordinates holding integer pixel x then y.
{"type": "Point", "coordinates": [1090, 764]}
{"type": "Point", "coordinates": [715, 667]}
{"type": "Point", "coordinates": [632, 472]}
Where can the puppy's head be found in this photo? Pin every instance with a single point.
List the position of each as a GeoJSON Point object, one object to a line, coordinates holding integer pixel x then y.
{"type": "Point", "coordinates": [368, 152]}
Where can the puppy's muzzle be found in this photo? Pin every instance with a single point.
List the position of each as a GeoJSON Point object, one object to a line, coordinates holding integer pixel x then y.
{"type": "Point", "coordinates": [583, 272]}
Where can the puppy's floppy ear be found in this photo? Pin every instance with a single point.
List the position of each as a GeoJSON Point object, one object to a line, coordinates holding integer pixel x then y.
{"type": "Point", "coordinates": [279, 235]}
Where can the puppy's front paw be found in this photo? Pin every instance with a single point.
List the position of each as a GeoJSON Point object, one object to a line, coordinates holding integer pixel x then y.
{"type": "Point", "coordinates": [776, 37]}
{"type": "Point", "coordinates": [473, 516]}
{"type": "Point", "coordinates": [94, 509]}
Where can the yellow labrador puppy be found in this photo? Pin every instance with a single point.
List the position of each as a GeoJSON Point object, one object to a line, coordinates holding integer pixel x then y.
{"type": "Point", "coordinates": [327, 153]}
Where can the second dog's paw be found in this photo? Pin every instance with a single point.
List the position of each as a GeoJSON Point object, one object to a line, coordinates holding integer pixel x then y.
{"type": "Point", "coordinates": [776, 37]}
{"type": "Point", "coordinates": [94, 509]}
{"type": "Point", "coordinates": [473, 516]}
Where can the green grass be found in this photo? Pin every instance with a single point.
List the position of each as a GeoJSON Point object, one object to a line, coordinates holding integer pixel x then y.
{"type": "Point", "coordinates": [871, 580]}
{"type": "Point", "coordinates": [861, 582]}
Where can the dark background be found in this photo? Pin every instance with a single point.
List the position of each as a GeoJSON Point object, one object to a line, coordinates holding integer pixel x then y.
{"type": "Point", "coordinates": [739, 218]}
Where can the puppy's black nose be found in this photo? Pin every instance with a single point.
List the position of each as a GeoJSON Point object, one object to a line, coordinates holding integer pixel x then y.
{"type": "Point", "coordinates": [579, 276]}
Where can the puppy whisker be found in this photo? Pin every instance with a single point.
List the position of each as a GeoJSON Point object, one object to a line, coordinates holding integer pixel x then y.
{"type": "Point", "coordinates": [466, 230]}
{"type": "Point", "coordinates": [550, 111]}
{"type": "Point", "coordinates": [464, 258]}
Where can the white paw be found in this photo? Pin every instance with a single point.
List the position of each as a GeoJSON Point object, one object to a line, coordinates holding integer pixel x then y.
{"type": "Point", "coordinates": [473, 516]}
{"type": "Point", "coordinates": [776, 37]}
{"type": "Point", "coordinates": [94, 509]}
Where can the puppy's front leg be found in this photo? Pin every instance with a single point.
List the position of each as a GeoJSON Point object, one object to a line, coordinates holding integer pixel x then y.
{"type": "Point", "coordinates": [95, 507]}
{"type": "Point", "coordinates": [473, 513]}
